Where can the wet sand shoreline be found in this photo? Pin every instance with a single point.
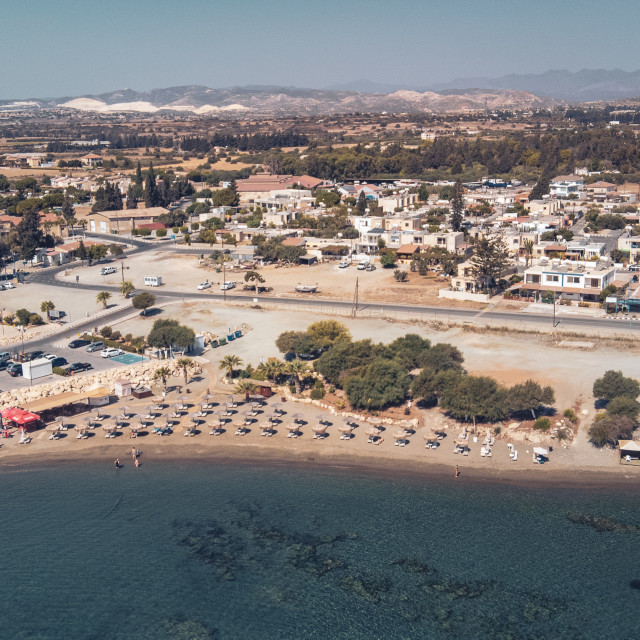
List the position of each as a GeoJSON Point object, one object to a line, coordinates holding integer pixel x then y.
{"type": "Point", "coordinates": [375, 467]}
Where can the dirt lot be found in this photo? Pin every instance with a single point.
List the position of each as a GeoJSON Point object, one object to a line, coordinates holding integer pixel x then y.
{"type": "Point", "coordinates": [185, 272]}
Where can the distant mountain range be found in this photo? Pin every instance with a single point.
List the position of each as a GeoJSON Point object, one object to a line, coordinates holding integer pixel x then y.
{"type": "Point", "coordinates": [581, 86]}
{"type": "Point", "coordinates": [464, 94]}
{"type": "Point", "coordinates": [278, 101]}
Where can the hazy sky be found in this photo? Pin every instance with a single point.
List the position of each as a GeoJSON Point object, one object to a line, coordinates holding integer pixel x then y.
{"type": "Point", "coordinates": [55, 48]}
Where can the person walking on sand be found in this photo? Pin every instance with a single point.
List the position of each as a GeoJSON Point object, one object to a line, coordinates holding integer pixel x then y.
{"type": "Point", "coordinates": [137, 463]}
{"type": "Point", "coordinates": [457, 472]}
{"type": "Point", "coordinates": [117, 463]}
{"type": "Point", "coordinates": [133, 452]}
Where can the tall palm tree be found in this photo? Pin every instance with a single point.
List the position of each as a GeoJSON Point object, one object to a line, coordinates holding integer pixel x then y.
{"type": "Point", "coordinates": [297, 368]}
{"type": "Point", "coordinates": [162, 373]}
{"type": "Point", "coordinates": [246, 387]}
{"type": "Point", "coordinates": [126, 288]}
{"type": "Point", "coordinates": [185, 364]}
{"type": "Point", "coordinates": [527, 245]}
{"type": "Point", "coordinates": [229, 362]}
{"type": "Point", "coordinates": [47, 306]}
{"type": "Point", "coordinates": [103, 297]}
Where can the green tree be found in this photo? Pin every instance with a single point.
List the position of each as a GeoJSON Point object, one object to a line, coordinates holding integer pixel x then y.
{"type": "Point", "coordinates": [607, 429]}
{"type": "Point", "coordinates": [184, 364]}
{"type": "Point", "coordinates": [529, 396]}
{"type": "Point", "coordinates": [143, 301]}
{"type": "Point", "coordinates": [127, 288]}
{"type": "Point", "coordinates": [68, 214]}
{"type": "Point", "coordinates": [116, 250]}
{"type": "Point", "coordinates": [47, 306]}
{"type": "Point", "coordinates": [457, 206]}
{"type": "Point", "coordinates": [82, 251]}
{"type": "Point", "coordinates": [296, 369]}
{"type": "Point", "coordinates": [613, 384]}
{"type": "Point", "coordinates": [29, 235]}
{"type": "Point", "coordinates": [103, 298]}
{"type": "Point", "coordinates": [287, 341]}
{"type": "Point", "coordinates": [441, 357]}
{"type": "Point", "coordinates": [229, 363]}
{"type": "Point", "coordinates": [325, 333]}
{"type": "Point", "coordinates": [383, 383]}
{"type": "Point", "coordinates": [408, 349]}
{"type": "Point", "coordinates": [326, 197]}
{"type": "Point", "coordinates": [255, 278]}
{"type": "Point", "coordinates": [400, 275]}
{"type": "Point", "coordinates": [152, 196]}
{"type": "Point", "coordinates": [528, 245]}
{"type": "Point", "coordinates": [162, 374]}
{"type": "Point", "coordinates": [245, 387]}
{"type": "Point", "coordinates": [489, 260]}
{"type": "Point", "coordinates": [388, 258]}
{"type": "Point", "coordinates": [624, 406]}
{"type": "Point", "coordinates": [475, 398]}
{"type": "Point", "coordinates": [166, 334]}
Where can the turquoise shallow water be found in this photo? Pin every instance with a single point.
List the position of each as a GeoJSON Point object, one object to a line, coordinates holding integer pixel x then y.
{"type": "Point", "coordinates": [195, 551]}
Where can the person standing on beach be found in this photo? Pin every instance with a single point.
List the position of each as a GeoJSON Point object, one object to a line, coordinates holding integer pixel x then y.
{"type": "Point", "coordinates": [133, 452]}
{"type": "Point", "coordinates": [457, 472]}
{"type": "Point", "coordinates": [137, 462]}
{"type": "Point", "coordinates": [117, 463]}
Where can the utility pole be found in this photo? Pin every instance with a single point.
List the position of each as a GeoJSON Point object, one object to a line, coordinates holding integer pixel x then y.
{"type": "Point", "coordinates": [354, 308]}
{"type": "Point", "coordinates": [122, 271]}
{"type": "Point", "coordinates": [224, 279]}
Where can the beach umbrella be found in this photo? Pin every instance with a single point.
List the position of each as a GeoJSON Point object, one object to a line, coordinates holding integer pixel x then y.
{"type": "Point", "coordinates": [430, 435]}
{"type": "Point", "coordinates": [373, 431]}
{"type": "Point", "coordinates": [257, 397]}
{"type": "Point", "coordinates": [345, 429]}
{"type": "Point", "coordinates": [374, 420]}
{"type": "Point", "coordinates": [54, 426]}
{"type": "Point", "coordinates": [319, 429]}
{"type": "Point", "coordinates": [296, 417]}
{"type": "Point", "coordinates": [207, 397]}
{"type": "Point", "coordinates": [539, 451]}
{"type": "Point", "coordinates": [231, 401]}
{"type": "Point", "coordinates": [89, 420]}
{"type": "Point", "coordinates": [184, 401]}
{"type": "Point", "coordinates": [400, 434]}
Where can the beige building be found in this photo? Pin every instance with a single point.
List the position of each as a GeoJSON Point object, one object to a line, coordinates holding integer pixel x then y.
{"type": "Point", "coordinates": [124, 220]}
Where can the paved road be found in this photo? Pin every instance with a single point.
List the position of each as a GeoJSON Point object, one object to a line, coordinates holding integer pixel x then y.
{"type": "Point", "coordinates": [488, 316]}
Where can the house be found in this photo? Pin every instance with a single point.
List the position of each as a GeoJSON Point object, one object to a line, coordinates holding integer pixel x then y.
{"type": "Point", "coordinates": [24, 159]}
{"type": "Point", "coordinates": [625, 243]}
{"type": "Point", "coordinates": [466, 280]}
{"type": "Point", "coordinates": [582, 281]}
{"type": "Point", "coordinates": [398, 201]}
{"type": "Point", "coordinates": [64, 253]}
{"type": "Point", "coordinates": [564, 186]}
{"type": "Point", "coordinates": [407, 252]}
{"type": "Point", "coordinates": [91, 160]}
{"type": "Point", "coordinates": [124, 220]}
{"type": "Point", "coordinates": [263, 185]}
{"type": "Point", "coordinates": [601, 190]}
{"type": "Point", "coordinates": [294, 242]}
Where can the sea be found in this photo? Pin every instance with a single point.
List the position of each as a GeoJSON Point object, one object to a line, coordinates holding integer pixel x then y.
{"type": "Point", "coordinates": [204, 550]}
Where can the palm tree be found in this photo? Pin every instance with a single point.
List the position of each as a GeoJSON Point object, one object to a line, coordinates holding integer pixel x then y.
{"type": "Point", "coordinates": [246, 387]}
{"type": "Point", "coordinates": [103, 297]}
{"type": "Point", "coordinates": [271, 369]}
{"type": "Point", "coordinates": [47, 306]}
{"type": "Point", "coordinates": [126, 288]}
{"type": "Point", "coordinates": [296, 368]}
{"type": "Point", "coordinates": [527, 245]}
{"type": "Point", "coordinates": [229, 362]}
{"type": "Point", "coordinates": [185, 364]}
{"type": "Point", "coordinates": [162, 373]}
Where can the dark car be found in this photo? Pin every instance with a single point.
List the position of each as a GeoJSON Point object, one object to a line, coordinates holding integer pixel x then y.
{"type": "Point", "coordinates": [76, 367]}
{"type": "Point", "coordinates": [75, 344]}
{"type": "Point", "coordinates": [59, 362]}
{"type": "Point", "coordinates": [14, 369]}
{"type": "Point", "coordinates": [4, 364]}
{"type": "Point", "coordinates": [36, 354]}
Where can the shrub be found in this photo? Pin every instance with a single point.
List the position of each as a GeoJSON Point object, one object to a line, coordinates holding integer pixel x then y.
{"type": "Point", "coordinates": [161, 233]}
{"type": "Point", "coordinates": [195, 226]}
{"type": "Point", "coordinates": [9, 318]}
{"type": "Point", "coordinates": [128, 337]}
{"type": "Point", "coordinates": [106, 332]}
{"type": "Point", "coordinates": [23, 316]}
{"type": "Point", "coordinates": [608, 429]}
{"type": "Point", "coordinates": [184, 229]}
{"type": "Point", "coordinates": [35, 319]}
{"type": "Point", "coordinates": [570, 415]}
{"type": "Point", "coordinates": [175, 229]}
{"type": "Point", "coordinates": [542, 424]}
{"type": "Point", "coordinates": [59, 371]}
{"type": "Point", "coordinates": [317, 394]}
{"type": "Point", "coordinates": [144, 232]}
{"type": "Point", "coordinates": [400, 275]}
{"type": "Point", "coordinates": [135, 232]}
{"type": "Point", "coordinates": [116, 335]}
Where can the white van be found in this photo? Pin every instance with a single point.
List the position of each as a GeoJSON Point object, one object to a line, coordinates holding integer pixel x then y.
{"type": "Point", "coordinates": [105, 271]}
{"type": "Point", "coordinates": [153, 281]}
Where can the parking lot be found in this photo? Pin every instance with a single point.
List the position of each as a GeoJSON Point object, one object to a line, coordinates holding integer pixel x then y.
{"type": "Point", "coordinates": [60, 348]}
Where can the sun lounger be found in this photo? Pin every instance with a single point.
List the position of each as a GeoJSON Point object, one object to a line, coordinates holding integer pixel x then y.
{"type": "Point", "coordinates": [514, 456]}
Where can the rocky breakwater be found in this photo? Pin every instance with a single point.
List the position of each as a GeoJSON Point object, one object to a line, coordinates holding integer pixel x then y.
{"type": "Point", "coordinates": [139, 375]}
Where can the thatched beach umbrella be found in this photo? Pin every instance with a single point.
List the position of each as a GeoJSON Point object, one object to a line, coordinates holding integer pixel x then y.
{"type": "Point", "coordinates": [345, 429]}
{"type": "Point", "coordinates": [231, 402]}
{"type": "Point", "coordinates": [207, 398]}
{"type": "Point", "coordinates": [257, 397]}
{"type": "Point", "coordinates": [91, 421]}
{"type": "Point", "coordinates": [54, 427]}
{"type": "Point", "coordinates": [98, 414]}
{"type": "Point", "coordinates": [372, 431]}
{"type": "Point", "coordinates": [297, 417]}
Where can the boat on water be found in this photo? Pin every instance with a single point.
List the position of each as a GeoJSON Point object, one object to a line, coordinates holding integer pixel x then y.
{"type": "Point", "coordinates": [306, 288]}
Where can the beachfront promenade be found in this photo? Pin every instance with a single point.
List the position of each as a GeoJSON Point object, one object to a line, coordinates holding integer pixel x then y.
{"type": "Point", "coordinates": [205, 419]}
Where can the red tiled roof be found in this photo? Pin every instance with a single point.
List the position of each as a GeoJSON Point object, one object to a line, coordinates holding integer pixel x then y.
{"type": "Point", "coordinates": [408, 249]}
{"type": "Point", "coordinates": [294, 242]}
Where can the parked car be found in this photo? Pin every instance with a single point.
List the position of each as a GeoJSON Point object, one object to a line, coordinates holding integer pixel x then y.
{"type": "Point", "coordinates": [204, 285]}
{"type": "Point", "coordinates": [14, 369]}
{"type": "Point", "coordinates": [59, 362]}
{"type": "Point", "coordinates": [362, 265]}
{"type": "Point", "coordinates": [105, 271]}
{"type": "Point", "coordinates": [4, 364]}
{"type": "Point", "coordinates": [50, 356]}
{"type": "Point", "coordinates": [7, 285]}
{"type": "Point", "coordinates": [75, 344]}
{"type": "Point", "coordinates": [225, 286]}
{"type": "Point", "coordinates": [76, 367]}
{"type": "Point", "coordinates": [370, 267]}
{"type": "Point", "coordinates": [111, 352]}
{"type": "Point", "coordinates": [343, 265]}
{"type": "Point", "coordinates": [95, 346]}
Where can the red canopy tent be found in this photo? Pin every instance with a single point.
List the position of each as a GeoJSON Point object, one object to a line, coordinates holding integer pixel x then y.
{"type": "Point", "coordinates": [20, 417]}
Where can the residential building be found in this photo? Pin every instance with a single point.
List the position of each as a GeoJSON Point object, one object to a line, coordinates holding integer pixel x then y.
{"type": "Point", "coordinates": [397, 201]}
{"type": "Point", "coordinates": [601, 190]}
{"type": "Point", "coordinates": [564, 186]}
{"type": "Point", "coordinates": [91, 160]}
{"type": "Point", "coordinates": [625, 243]}
{"type": "Point", "coordinates": [582, 281]}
